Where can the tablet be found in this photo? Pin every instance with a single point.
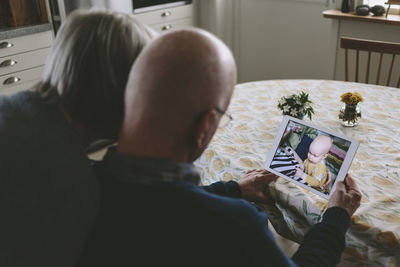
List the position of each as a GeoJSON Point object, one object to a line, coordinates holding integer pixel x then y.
{"type": "Point", "coordinates": [310, 156]}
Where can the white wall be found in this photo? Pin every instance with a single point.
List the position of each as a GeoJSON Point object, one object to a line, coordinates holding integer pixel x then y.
{"type": "Point", "coordinates": [274, 39]}
{"type": "Point", "coordinates": [288, 39]}
{"type": "Point", "coordinates": [280, 39]}
{"type": "Point", "coordinates": [221, 18]}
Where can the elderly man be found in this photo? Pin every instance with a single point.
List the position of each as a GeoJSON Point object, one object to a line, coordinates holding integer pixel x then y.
{"type": "Point", "coordinates": [152, 212]}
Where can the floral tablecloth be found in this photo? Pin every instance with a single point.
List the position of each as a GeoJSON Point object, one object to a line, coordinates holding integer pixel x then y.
{"type": "Point", "coordinates": [374, 236]}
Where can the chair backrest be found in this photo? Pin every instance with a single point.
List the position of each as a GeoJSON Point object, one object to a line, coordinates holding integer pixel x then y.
{"type": "Point", "coordinates": [370, 46]}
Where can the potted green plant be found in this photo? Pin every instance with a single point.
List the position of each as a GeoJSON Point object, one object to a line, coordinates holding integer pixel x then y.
{"type": "Point", "coordinates": [296, 105]}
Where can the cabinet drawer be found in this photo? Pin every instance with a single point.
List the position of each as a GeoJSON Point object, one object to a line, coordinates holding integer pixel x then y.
{"type": "Point", "coordinates": [20, 80]}
{"type": "Point", "coordinates": [25, 43]}
{"type": "Point", "coordinates": [167, 14]}
{"type": "Point", "coordinates": [23, 61]}
{"type": "Point", "coordinates": [18, 88]}
{"type": "Point", "coordinates": [173, 25]}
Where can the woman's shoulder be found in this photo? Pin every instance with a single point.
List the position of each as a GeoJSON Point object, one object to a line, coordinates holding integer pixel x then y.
{"type": "Point", "coordinates": [21, 101]}
{"type": "Point", "coordinates": [25, 115]}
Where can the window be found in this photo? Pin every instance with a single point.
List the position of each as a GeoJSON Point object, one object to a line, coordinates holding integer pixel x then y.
{"type": "Point", "coordinates": [376, 2]}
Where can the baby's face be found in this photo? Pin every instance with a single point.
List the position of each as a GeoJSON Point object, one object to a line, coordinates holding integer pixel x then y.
{"type": "Point", "coordinates": [315, 156]}
{"type": "Point", "coordinates": [318, 149]}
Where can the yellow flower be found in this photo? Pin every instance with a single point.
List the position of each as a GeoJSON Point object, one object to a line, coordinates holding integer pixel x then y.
{"type": "Point", "coordinates": [354, 253]}
{"type": "Point", "coordinates": [209, 154]}
{"type": "Point", "coordinates": [360, 98]}
{"type": "Point", "coordinates": [351, 98]}
{"type": "Point", "coordinates": [359, 224]}
{"type": "Point", "coordinates": [346, 96]}
{"type": "Point", "coordinates": [388, 239]}
{"type": "Point", "coordinates": [218, 165]}
{"type": "Point", "coordinates": [381, 181]}
{"type": "Point", "coordinates": [227, 177]}
{"type": "Point", "coordinates": [245, 162]}
{"type": "Point", "coordinates": [389, 218]}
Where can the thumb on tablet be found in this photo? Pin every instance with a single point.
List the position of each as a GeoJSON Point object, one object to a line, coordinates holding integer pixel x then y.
{"type": "Point", "coordinates": [351, 184]}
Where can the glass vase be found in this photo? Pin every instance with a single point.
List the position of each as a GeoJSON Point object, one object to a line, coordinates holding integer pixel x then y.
{"type": "Point", "coordinates": [350, 115]}
{"type": "Point", "coordinates": [300, 116]}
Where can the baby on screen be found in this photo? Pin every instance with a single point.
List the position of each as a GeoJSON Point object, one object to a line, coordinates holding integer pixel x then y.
{"type": "Point", "coordinates": [313, 171]}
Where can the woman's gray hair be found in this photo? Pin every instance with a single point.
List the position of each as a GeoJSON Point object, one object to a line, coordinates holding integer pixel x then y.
{"type": "Point", "coordinates": [88, 66]}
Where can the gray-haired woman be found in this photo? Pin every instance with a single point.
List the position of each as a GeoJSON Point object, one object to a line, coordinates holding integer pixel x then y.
{"type": "Point", "coordinates": [48, 192]}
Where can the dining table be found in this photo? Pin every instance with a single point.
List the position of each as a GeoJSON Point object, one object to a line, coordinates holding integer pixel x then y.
{"type": "Point", "coordinates": [373, 238]}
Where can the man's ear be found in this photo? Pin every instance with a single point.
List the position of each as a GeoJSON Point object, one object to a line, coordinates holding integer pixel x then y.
{"type": "Point", "coordinates": [206, 128]}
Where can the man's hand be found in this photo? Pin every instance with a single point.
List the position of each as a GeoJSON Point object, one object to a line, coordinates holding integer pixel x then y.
{"type": "Point", "coordinates": [346, 196]}
{"type": "Point", "coordinates": [254, 185]}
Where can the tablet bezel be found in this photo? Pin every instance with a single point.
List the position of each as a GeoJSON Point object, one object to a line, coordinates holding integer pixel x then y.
{"type": "Point", "coordinates": [343, 169]}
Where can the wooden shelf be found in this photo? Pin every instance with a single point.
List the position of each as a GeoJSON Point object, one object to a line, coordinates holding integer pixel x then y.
{"type": "Point", "coordinates": [337, 14]}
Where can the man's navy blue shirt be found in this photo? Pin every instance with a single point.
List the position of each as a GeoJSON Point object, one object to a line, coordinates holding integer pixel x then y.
{"type": "Point", "coordinates": [153, 213]}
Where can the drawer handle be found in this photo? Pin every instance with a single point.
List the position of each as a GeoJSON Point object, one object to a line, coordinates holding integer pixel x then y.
{"type": "Point", "coordinates": [11, 80]}
{"type": "Point", "coordinates": [165, 14]}
{"type": "Point", "coordinates": [7, 63]}
{"type": "Point", "coordinates": [166, 27]}
{"type": "Point", "coordinates": [5, 45]}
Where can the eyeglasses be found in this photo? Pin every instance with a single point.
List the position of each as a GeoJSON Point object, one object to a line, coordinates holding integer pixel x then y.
{"type": "Point", "coordinates": [225, 119]}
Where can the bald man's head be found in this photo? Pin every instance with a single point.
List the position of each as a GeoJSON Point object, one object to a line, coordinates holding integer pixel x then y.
{"type": "Point", "coordinates": [180, 76]}
{"type": "Point", "coordinates": [187, 69]}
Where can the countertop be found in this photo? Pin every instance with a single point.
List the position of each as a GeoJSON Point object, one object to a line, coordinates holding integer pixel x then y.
{"type": "Point", "coordinates": [20, 31]}
{"type": "Point", "coordinates": [337, 14]}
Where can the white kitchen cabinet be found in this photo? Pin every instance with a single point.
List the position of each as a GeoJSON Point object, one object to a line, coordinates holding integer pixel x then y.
{"type": "Point", "coordinates": [23, 80]}
{"type": "Point", "coordinates": [167, 19]}
{"type": "Point", "coordinates": [22, 59]}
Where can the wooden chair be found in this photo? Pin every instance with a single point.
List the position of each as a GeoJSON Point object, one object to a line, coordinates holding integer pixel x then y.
{"type": "Point", "coordinates": [370, 46]}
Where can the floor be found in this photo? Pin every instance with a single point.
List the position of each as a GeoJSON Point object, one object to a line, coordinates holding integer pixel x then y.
{"type": "Point", "coordinates": [289, 247]}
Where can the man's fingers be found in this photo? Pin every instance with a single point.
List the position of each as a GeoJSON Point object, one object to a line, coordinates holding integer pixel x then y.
{"type": "Point", "coordinates": [269, 177]}
{"type": "Point", "coordinates": [356, 195]}
{"type": "Point", "coordinates": [340, 186]}
{"type": "Point", "coordinates": [272, 177]}
{"type": "Point", "coordinates": [351, 184]}
{"type": "Point", "coordinates": [264, 171]}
